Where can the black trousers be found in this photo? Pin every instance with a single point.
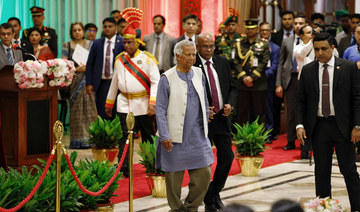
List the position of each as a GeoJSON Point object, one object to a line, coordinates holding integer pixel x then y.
{"type": "Point", "coordinates": [325, 137]}
{"type": "Point", "coordinates": [100, 99]}
{"type": "Point", "coordinates": [143, 123]}
{"type": "Point", "coordinates": [251, 104]}
{"type": "Point", "coordinates": [219, 133]}
{"type": "Point", "coordinates": [290, 95]}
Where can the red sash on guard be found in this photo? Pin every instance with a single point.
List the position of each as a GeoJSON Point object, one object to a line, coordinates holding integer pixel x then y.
{"type": "Point", "coordinates": [135, 71]}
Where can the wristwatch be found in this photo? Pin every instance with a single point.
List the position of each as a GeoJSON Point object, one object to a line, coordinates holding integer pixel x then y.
{"type": "Point", "coordinates": [357, 127]}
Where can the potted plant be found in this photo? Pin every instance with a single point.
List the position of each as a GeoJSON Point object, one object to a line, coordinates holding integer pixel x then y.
{"type": "Point", "coordinates": [250, 141]}
{"type": "Point", "coordinates": [104, 136]}
{"type": "Point", "coordinates": [155, 177]}
{"type": "Point", "coordinates": [93, 175]}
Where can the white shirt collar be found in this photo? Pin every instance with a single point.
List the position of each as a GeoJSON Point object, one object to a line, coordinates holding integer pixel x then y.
{"type": "Point", "coordinates": [112, 39]}
{"type": "Point", "coordinates": [331, 62]}
{"type": "Point", "coordinates": [203, 61]}
{"type": "Point", "coordinates": [192, 37]}
{"type": "Point", "coordinates": [160, 36]}
{"type": "Point", "coordinates": [5, 47]}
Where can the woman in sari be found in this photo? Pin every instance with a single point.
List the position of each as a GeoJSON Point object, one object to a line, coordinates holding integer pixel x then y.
{"type": "Point", "coordinates": [41, 52]}
{"type": "Point", "coordinates": [82, 106]}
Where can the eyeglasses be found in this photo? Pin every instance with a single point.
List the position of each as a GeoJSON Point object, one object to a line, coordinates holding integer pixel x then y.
{"type": "Point", "coordinates": [211, 47]}
{"type": "Point", "coordinates": [91, 31]}
{"type": "Point", "coordinates": [265, 30]}
{"type": "Point", "coordinates": [6, 34]}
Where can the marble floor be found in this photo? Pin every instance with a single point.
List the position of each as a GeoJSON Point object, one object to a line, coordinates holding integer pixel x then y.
{"type": "Point", "coordinates": [293, 180]}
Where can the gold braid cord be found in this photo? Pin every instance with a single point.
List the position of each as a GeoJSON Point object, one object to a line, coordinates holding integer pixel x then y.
{"type": "Point", "coordinates": [250, 54]}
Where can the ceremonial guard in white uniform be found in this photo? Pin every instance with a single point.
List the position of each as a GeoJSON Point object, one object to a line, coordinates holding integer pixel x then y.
{"type": "Point", "coordinates": [136, 76]}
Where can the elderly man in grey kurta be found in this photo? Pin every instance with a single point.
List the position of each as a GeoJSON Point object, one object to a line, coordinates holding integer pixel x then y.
{"type": "Point", "coordinates": [182, 118]}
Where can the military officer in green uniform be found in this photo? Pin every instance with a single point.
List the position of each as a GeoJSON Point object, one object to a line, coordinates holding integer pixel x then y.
{"type": "Point", "coordinates": [225, 43]}
{"type": "Point", "coordinates": [48, 33]}
{"type": "Point", "coordinates": [251, 57]}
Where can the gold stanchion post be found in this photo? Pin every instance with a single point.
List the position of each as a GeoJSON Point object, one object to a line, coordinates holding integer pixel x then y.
{"type": "Point", "coordinates": [58, 132]}
{"type": "Point", "coordinates": [130, 121]}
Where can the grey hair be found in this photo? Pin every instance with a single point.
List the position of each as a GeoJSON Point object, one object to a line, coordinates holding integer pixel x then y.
{"type": "Point", "coordinates": [178, 47]}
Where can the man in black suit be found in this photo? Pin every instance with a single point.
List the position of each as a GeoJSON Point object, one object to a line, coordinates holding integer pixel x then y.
{"type": "Point", "coordinates": [190, 25]}
{"type": "Point", "coordinates": [15, 22]}
{"type": "Point", "coordinates": [328, 113]}
{"type": "Point", "coordinates": [100, 65]}
{"type": "Point", "coordinates": [287, 81]}
{"type": "Point", "coordinates": [349, 40]}
{"type": "Point", "coordinates": [221, 92]}
{"type": "Point", "coordinates": [287, 30]}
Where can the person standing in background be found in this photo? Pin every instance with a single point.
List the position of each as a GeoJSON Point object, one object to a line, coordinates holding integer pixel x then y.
{"type": "Point", "coordinates": [15, 22]}
{"type": "Point", "coordinates": [159, 43]}
{"type": "Point", "coordinates": [48, 34]}
{"type": "Point", "coordinates": [82, 106]}
{"type": "Point", "coordinates": [100, 65]}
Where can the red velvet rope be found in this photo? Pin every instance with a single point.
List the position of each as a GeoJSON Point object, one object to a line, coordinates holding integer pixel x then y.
{"type": "Point", "coordinates": [91, 193]}
{"type": "Point", "coordinates": [22, 203]}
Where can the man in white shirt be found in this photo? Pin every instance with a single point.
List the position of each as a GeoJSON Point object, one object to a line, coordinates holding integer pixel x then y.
{"type": "Point", "coordinates": [15, 22]}
{"type": "Point", "coordinates": [190, 25]}
{"type": "Point", "coordinates": [100, 65]}
{"type": "Point", "coordinates": [159, 43]}
{"type": "Point", "coordinates": [327, 113]}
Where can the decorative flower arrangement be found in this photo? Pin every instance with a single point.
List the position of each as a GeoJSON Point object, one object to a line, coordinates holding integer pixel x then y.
{"type": "Point", "coordinates": [60, 72]}
{"type": "Point", "coordinates": [323, 205]}
{"type": "Point", "coordinates": [30, 74]}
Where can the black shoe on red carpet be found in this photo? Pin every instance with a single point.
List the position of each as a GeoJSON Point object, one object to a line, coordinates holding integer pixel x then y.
{"type": "Point", "coordinates": [289, 146]}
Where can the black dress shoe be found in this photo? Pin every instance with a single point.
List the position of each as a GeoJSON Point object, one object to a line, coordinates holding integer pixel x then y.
{"type": "Point", "coordinates": [289, 147]}
{"type": "Point", "coordinates": [305, 155]}
{"type": "Point", "coordinates": [210, 208]}
{"type": "Point", "coordinates": [218, 203]}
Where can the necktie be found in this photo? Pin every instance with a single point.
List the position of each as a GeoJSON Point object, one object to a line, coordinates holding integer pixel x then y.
{"type": "Point", "coordinates": [294, 61]}
{"type": "Point", "coordinates": [157, 48]}
{"type": "Point", "coordinates": [325, 92]}
{"type": "Point", "coordinates": [353, 41]}
{"type": "Point", "coordinates": [214, 93]}
{"type": "Point", "coordinates": [190, 39]}
{"type": "Point", "coordinates": [288, 34]}
{"type": "Point", "coordinates": [11, 61]}
{"type": "Point", "coordinates": [107, 60]}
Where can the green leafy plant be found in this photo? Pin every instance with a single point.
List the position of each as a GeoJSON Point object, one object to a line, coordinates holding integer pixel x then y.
{"type": "Point", "coordinates": [93, 175]}
{"type": "Point", "coordinates": [250, 139]}
{"type": "Point", "coordinates": [105, 134]}
{"type": "Point", "coordinates": [147, 152]}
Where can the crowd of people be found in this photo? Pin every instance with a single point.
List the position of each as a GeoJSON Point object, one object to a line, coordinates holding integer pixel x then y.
{"type": "Point", "coordinates": [190, 89]}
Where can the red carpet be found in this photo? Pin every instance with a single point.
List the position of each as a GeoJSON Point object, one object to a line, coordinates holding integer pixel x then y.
{"type": "Point", "coordinates": [274, 154]}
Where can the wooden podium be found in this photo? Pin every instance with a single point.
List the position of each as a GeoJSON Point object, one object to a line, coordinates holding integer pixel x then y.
{"type": "Point", "coordinates": [27, 117]}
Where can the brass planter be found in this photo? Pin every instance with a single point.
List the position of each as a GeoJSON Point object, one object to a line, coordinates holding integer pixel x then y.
{"type": "Point", "coordinates": [102, 208]}
{"type": "Point", "coordinates": [250, 165]}
{"type": "Point", "coordinates": [105, 155]}
{"type": "Point", "coordinates": [108, 208]}
{"type": "Point", "coordinates": [157, 185]}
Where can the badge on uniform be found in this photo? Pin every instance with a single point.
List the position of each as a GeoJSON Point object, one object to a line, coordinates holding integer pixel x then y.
{"type": "Point", "coordinates": [255, 62]}
{"type": "Point", "coordinates": [139, 62]}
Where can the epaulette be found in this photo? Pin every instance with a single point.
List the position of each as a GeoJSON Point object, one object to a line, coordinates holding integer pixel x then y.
{"type": "Point", "coordinates": [119, 55]}
{"type": "Point", "coordinates": [152, 57]}
{"type": "Point", "coordinates": [47, 28]}
{"type": "Point", "coordinates": [25, 32]}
